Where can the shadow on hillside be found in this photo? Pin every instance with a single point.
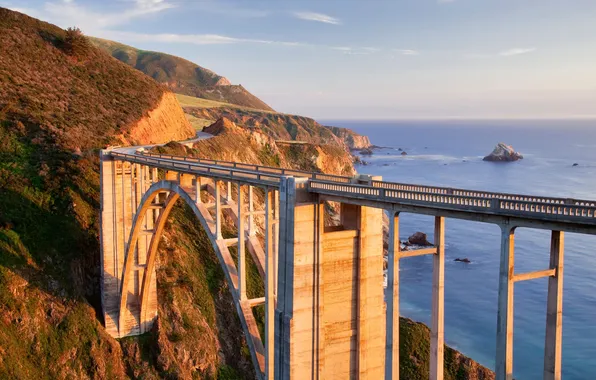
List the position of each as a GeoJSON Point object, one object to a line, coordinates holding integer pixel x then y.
{"type": "Point", "coordinates": [48, 247]}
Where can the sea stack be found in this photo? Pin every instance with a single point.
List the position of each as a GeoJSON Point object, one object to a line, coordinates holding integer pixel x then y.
{"type": "Point", "coordinates": [503, 153]}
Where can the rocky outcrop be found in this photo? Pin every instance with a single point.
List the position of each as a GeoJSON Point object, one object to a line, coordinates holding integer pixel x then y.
{"type": "Point", "coordinates": [222, 125]}
{"type": "Point", "coordinates": [419, 238]}
{"type": "Point", "coordinates": [503, 153]}
{"type": "Point", "coordinates": [352, 139]}
{"type": "Point", "coordinates": [164, 123]}
{"type": "Point", "coordinates": [285, 127]}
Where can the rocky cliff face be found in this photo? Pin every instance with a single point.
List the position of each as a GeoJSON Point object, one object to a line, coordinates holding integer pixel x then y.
{"type": "Point", "coordinates": [252, 145]}
{"type": "Point", "coordinates": [285, 127]}
{"type": "Point", "coordinates": [352, 139]}
{"type": "Point", "coordinates": [164, 123]}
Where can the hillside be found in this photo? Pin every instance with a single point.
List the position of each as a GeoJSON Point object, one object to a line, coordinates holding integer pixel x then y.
{"type": "Point", "coordinates": [280, 126]}
{"type": "Point", "coordinates": [60, 101]}
{"type": "Point", "coordinates": [182, 76]}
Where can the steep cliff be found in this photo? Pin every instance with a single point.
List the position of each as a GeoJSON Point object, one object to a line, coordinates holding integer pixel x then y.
{"type": "Point", "coordinates": [351, 138]}
{"type": "Point", "coordinates": [282, 126]}
{"type": "Point", "coordinates": [164, 123]}
{"type": "Point", "coordinates": [253, 145]}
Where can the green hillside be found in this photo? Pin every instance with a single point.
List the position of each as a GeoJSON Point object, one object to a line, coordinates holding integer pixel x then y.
{"type": "Point", "coordinates": [182, 76]}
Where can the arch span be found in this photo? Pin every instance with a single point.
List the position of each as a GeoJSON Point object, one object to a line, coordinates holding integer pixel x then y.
{"type": "Point", "coordinates": [163, 195]}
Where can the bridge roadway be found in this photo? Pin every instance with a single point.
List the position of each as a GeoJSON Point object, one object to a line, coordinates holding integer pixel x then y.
{"type": "Point", "coordinates": [565, 214]}
{"type": "Point", "coordinates": [303, 342]}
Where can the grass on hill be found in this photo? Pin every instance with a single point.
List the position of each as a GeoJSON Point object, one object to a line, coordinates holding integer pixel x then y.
{"type": "Point", "coordinates": [192, 101]}
{"type": "Point", "coordinates": [197, 123]}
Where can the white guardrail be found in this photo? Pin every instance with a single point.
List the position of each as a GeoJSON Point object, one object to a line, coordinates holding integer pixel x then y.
{"type": "Point", "coordinates": [388, 192]}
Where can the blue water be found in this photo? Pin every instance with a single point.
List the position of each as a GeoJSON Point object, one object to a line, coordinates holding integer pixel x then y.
{"type": "Point", "coordinates": [450, 154]}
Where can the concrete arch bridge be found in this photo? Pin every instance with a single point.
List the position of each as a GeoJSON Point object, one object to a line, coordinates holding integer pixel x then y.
{"type": "Point", "coordinates": [326, 313]}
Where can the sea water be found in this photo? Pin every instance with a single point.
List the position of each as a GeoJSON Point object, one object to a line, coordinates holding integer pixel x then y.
{"type": "Point", "coordinates": [449, 153]}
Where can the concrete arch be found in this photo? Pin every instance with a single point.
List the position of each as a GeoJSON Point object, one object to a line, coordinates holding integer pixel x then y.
{"type": "Point", "coordinates": [175, 192]}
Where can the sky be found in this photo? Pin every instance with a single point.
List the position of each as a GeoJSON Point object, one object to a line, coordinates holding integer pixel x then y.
{"type": "Point", "coordinates": [373, 59]}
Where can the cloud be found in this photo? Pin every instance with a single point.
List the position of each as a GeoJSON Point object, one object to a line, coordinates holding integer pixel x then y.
{"type": "Point", "coordinates": [516, 51]}
{"type": "Point", "coordinates": [68, 13]}
{"type": "Point", "coordinates": [195, 39]}
{"type": "Point", "coordinates": [151, 6]}
{"type": "Point", "coordinates": [319, 17]}
{"type": "Point", "coordinates": [407, 51]}
{"type": "Point", "coordinates": [355, 50]}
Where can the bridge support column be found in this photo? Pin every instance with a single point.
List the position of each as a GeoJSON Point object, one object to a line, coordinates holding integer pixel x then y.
{"type": "Point", "coordinates": [296, 345]}
{"type": "Point", "coordinates": [437, 342]}
{"type": "Point", "coordinates": [554, 310]}
{"type": "Point", "coordinates": [330, 317]}
{"type": "Point", "coordinates": [269, 288]}
{"type": "Point", "coordinates": [198, 190]}
{"type": "Point", "coordinates": [111, 255]}
{"type": "Point", "coordinates": [251, 208]}
{"type": "Point", "coordinates": [241, 244]}
{"type": "Point", "coordinates": [275, 228]}
{"type": "Point", "coordinates": [504, 355]}
{"type": "Point", "coordinates": [392, 296]}
{"type": "Point", "coordinates": [218, 210]}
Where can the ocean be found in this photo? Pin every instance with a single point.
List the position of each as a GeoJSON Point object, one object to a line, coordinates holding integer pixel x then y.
{"type": "Point", "coordinates": [449, 153]}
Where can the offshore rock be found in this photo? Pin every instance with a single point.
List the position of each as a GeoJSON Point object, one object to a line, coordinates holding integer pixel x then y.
{"type": "Point", "coordinates": [419, 238]}
{"type": "Point", "coordinates": [503, 153]}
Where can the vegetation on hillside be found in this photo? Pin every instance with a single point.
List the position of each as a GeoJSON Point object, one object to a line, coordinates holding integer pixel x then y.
{"type": "Point", "coordinates": [182, 76]}
{"type": "Point", "coordinates": [60, 101]}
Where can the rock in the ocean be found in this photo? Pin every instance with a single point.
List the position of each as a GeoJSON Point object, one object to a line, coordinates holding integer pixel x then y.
{"type": "Point", "coordinates": [366, 151]}
{"type": "Point", "coordinates": [404, 153]}
{"type": "Point", "coordinates": [464, 260]}
{"type": "Point", "coordinates": [503, 153]}
{"type": "Point", "coordinates": [419, 238]}
{"type": "Point", "coordinates": [576, 164]}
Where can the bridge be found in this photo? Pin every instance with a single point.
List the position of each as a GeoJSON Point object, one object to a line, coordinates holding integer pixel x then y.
{"type": "Point", "coordinates": [326, 313]}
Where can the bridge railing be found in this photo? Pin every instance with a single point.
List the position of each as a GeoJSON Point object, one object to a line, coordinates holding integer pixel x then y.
{"type": "Point", "coordinates": [200, 169]}
{"type": "Point", "coordinates": [480, 194]}
{"type": "Point", "coordinates": [421, 195]}
{"type": "Point", "coordinates": [469, 203]}
{"type": "Point", "coordinates": [256, 168]}
{"type": "Point", "coordinates": [383, 184]}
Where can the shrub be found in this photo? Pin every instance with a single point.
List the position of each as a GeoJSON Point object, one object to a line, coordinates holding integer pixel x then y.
{"type": "Point", "coordinates": [75, 43]}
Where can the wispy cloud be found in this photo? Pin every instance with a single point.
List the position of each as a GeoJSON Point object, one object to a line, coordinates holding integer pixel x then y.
{"type": "Point", "coordinates": [227, 8]}
{"type": "Point", "coordinates": [355, 50]}
{"type": "Point", "coordinates": [406, 51]}
{"type": "Point", "coordinates": [516, 51]}
{"type": "Point", "coordinates": [194, 39]}
{"type": "Point", "coordinates": [151, 6]}
{"type": "Point", "coordinates": [69, 13]}
{"type": "Point", "coordinates": [319, 17]}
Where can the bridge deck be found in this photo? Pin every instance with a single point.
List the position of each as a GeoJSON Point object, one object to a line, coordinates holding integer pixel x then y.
{"type": "Point", "coordinates": [475, 204]}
